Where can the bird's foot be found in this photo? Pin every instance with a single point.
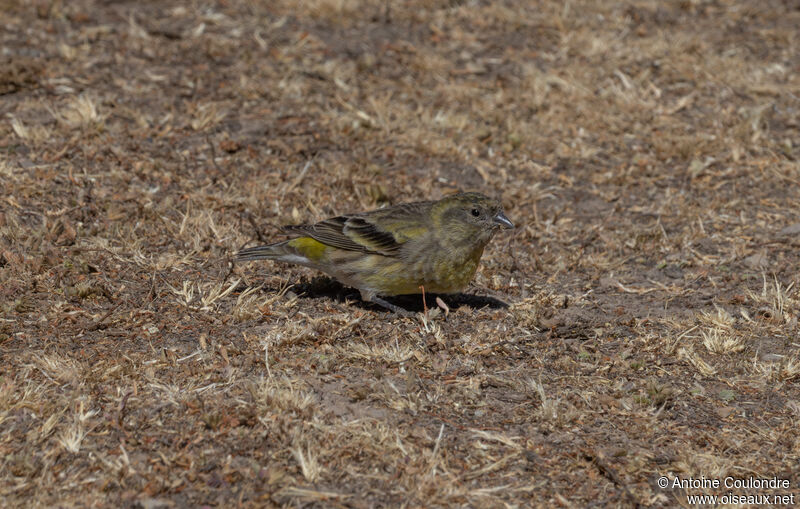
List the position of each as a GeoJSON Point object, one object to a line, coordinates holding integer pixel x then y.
{"type": "Point", "coordinates": [393, 308]}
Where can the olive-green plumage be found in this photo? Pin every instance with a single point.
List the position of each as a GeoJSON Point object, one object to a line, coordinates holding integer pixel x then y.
{"type": "Point", "coordinates": [396, 250]}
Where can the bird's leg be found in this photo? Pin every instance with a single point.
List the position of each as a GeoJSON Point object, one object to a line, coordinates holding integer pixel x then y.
{"type": "Point", "coordinates": [391, 307]}
{"type": "Point", "coordinates": [424, 304]}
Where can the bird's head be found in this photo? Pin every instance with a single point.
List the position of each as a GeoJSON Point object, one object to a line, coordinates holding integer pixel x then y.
{"type": "Point", "coordinates": [470, 217]}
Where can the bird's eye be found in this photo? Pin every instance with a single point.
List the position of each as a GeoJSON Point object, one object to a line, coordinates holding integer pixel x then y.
{"type": "Point", "coordinates": [476, 212]}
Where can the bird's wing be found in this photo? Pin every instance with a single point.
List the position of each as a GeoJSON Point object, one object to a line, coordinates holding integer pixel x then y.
{"type": "Point", "coordinates": [351, 233]}
{"type": "Point", "coordinates": [382, 231]}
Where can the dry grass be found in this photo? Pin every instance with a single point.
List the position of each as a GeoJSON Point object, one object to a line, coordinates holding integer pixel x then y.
{"type": "Point", "coordinates": [647, 150]}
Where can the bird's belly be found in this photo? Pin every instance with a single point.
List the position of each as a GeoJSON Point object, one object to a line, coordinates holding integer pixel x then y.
{"type": "Point", "coordinates": [449, 277]}
{"type": "Point", "coordinates": [403, 277]}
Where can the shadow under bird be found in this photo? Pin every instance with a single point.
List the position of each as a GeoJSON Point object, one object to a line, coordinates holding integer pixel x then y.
{"type": "Point", "coordinates": [399, 250]}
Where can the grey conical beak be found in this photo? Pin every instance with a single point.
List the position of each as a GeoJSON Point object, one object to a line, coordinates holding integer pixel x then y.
{"type": "Point", "coordinates": [501, 220]}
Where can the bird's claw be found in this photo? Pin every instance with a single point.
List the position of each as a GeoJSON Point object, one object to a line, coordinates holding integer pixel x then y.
{"type": "Point", "coordinates": [392, 307]}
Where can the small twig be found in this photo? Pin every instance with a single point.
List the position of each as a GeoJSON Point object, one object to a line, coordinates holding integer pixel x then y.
{"type": "Point", "coordinates": [445, 307]}
{"type": "Point", "coordinates": [252, 221]}
{"type": "Point", "coordinates": [58, 155]}
{"type": "Point", "coordinates": [401, 361]}
{"type": "Point", "coordinates": [97, 323]}
{"type": "Point", "coordinates": [229, 272]}
{"type": "Point", "coordinates": [213, 154]}
{"type": "Point", "coordinates": [609, 473]}
{"type": "Point", "coordinates": [152, 293]}
{"type": "Point", "coordinates": [64, 211]}
{"type": "Point", "coordinates": [300, 176]}
{"type": "Point", "coordinates": [121, 409]}
{"type": "Point", "coordinates": [266, 359]}
{"type": "Point", "coordinates": [491, 347]}
{"type": "Point", "coordinates": [436, 450]}
{"type": "Point", "coordinates": [452, 423]}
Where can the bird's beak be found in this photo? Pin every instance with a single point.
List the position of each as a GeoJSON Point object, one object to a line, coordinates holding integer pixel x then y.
{"type": "Point", "coordinates": [501, 220]}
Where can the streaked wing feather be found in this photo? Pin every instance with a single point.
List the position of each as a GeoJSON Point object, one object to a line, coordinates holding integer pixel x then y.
{"type": "Point", "coordinates": [370, 236]}
{"type": "Point", "coordinates": [330, 232]}
{"type": "Point", "coordinates": [362, 232]}
{"type": "Point", "coordinates": [350, 233]}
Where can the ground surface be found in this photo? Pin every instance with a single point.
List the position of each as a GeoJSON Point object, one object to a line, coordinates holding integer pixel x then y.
{"type": "Point", "coordinates": [647, 150]}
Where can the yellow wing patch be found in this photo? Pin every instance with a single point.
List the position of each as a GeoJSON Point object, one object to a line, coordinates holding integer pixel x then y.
{"type": "Point", "coordinates": [308, 247]}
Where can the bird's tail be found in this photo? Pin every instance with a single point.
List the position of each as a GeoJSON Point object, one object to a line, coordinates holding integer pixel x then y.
{"type": "Point", "coordinates": [277, 251]}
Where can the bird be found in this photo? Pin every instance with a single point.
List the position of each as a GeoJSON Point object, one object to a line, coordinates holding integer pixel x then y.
{"type": "Point", "coordinates": [410, 248]}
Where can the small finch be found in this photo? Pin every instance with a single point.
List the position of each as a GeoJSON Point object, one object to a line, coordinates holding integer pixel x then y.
{"type": "Point", "coordinates": [399, 250]}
